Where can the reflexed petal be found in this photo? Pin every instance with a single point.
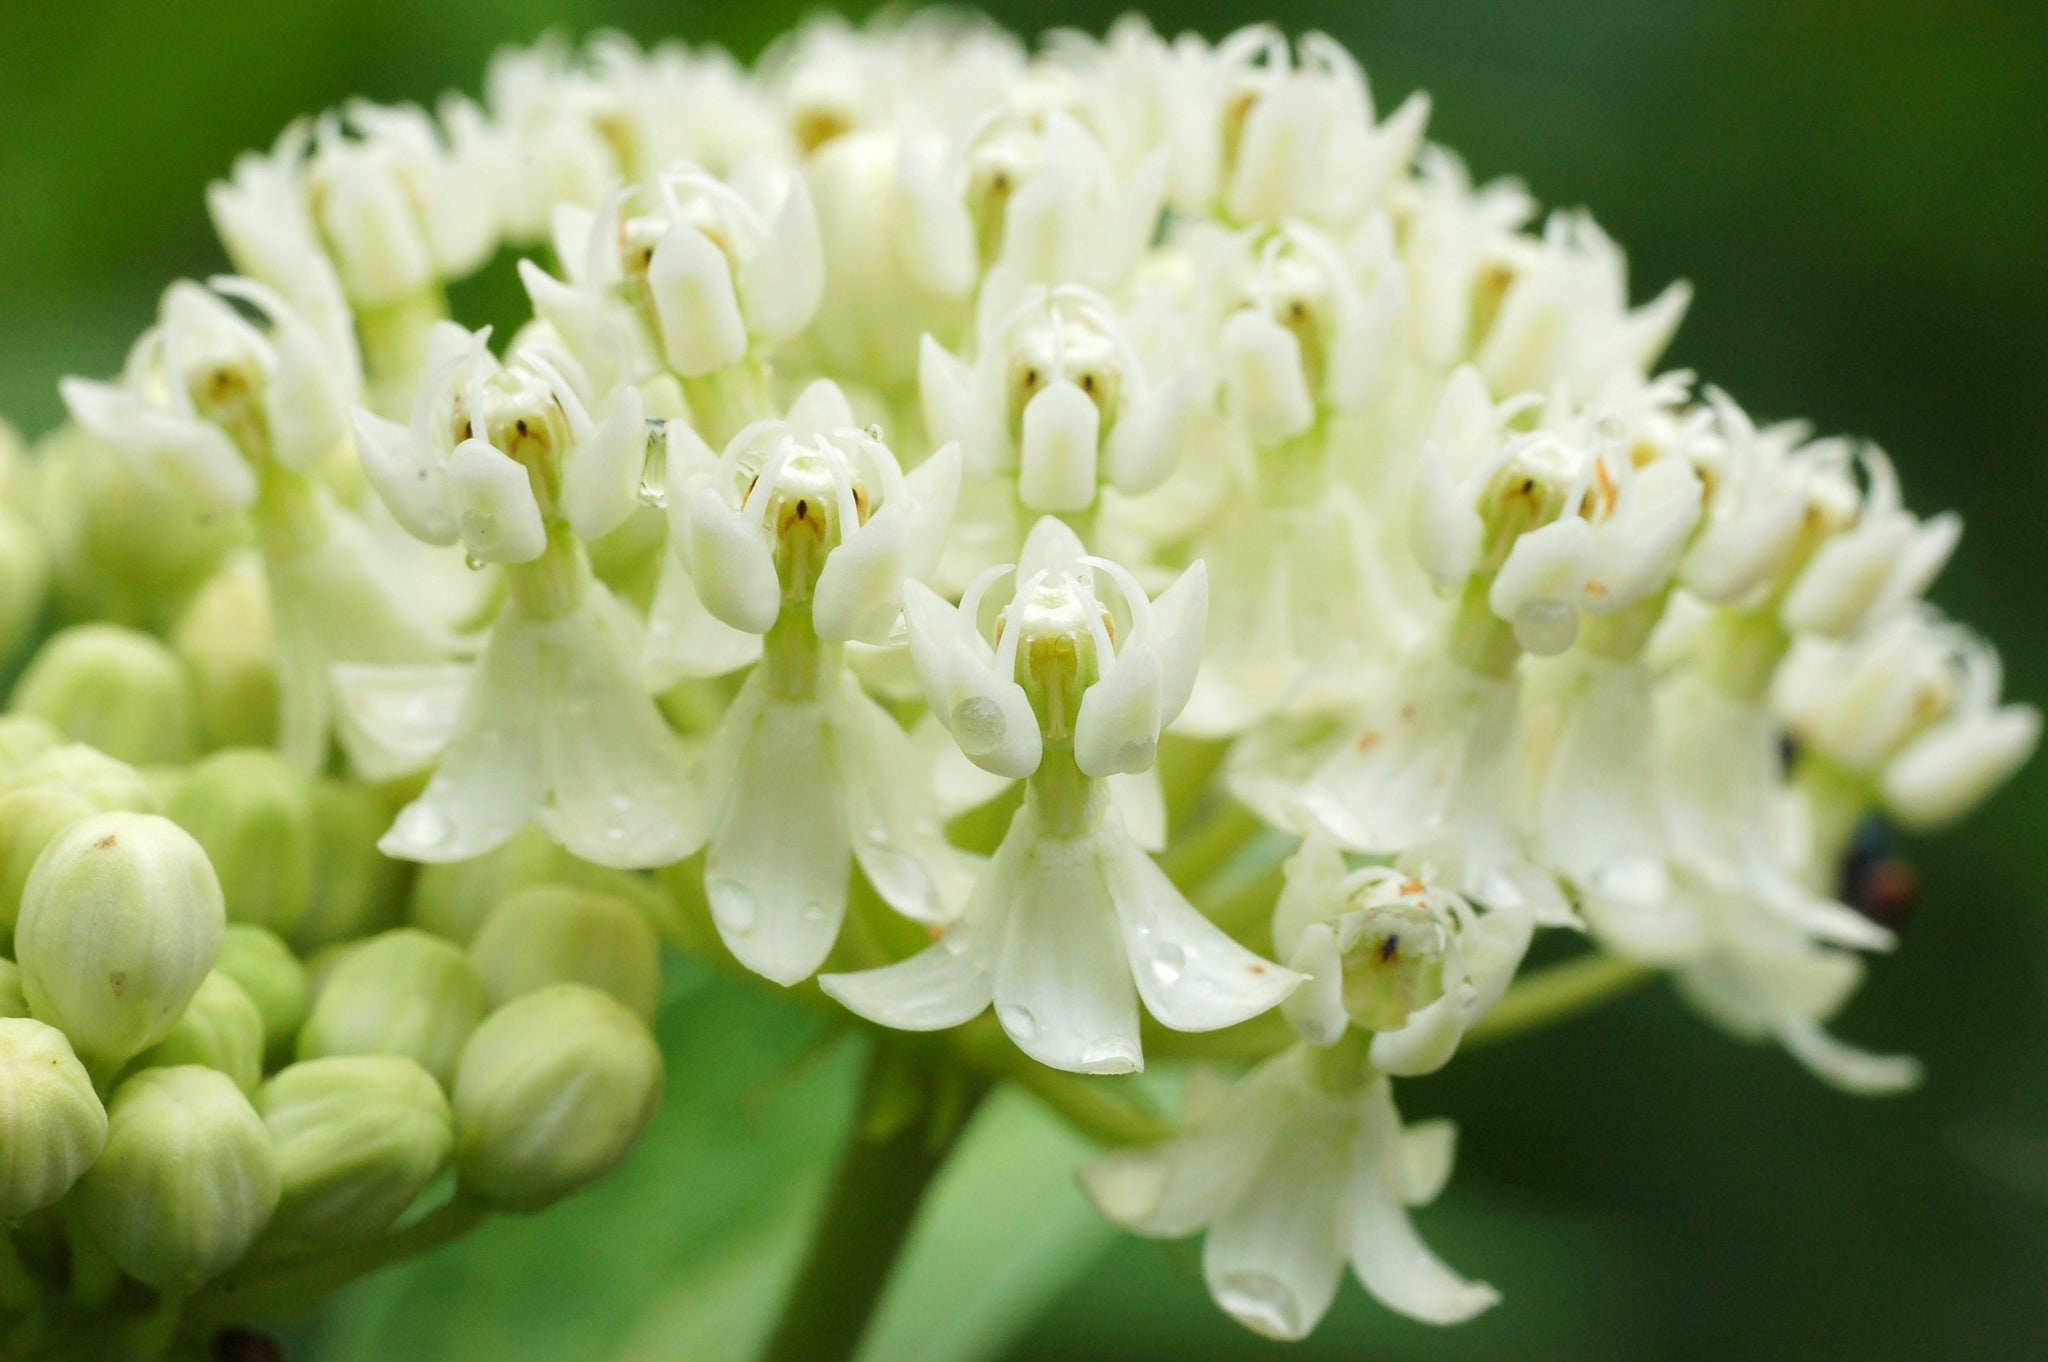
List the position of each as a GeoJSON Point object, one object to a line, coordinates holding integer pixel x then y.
{"type": "Point", "coordinates": [1428, 1149]}
{"type": "Point", "coordinates": [684, 639]}
{"type": "Point", "coordinates": [492, 780]}
{"type": "Point", "coordinates": [191, 455]}
{"type": "Point", "coordinates": [621, 793]}
{"type": "Point", "coordinates": [1316, 1009]}
{"type": "Point", "coordinates": [1140, 801]}
{"type": "Point", "coordinates": [1946, 773]}
{"type": "Point", "coordinates": [1274, 1257]}
{"type": "Point", "coordinates": [1192, 976]}
{"type": "Point", "coordinates": [890, 812]}
{"type": "Point", "coordinates": [780, 854]}
{"type": "Point", "coordinates": [395, 719]}
{"type": "Point", "coordinates": [1846, 1067]}
{"type": "Point", "coordinates": [1390, 1258]}
{"type": "Point", "coordinates": [1063, 985]}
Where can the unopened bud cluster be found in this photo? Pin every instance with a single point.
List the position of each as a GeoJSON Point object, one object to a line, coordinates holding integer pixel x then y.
{"type": "Point", "coordinates": [1119, 537]}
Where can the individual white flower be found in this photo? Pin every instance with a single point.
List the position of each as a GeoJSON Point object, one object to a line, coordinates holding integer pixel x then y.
{"type": "Point", "coordinates": [553, 725]}
{"type": "Point", "coordinates": [1909, 715]}
{"type": "Point", "coordinates": [1293, 1172]}
{"type": "Point", "coordinates": [1055, 396]}
{"type": "Point", "coordinates": [685, 275]}
{"type": "Point", "coordinates": [208, 394]}
{"type": "Point", "coordinates": [1455, 238]}
{"type": "Point", "coordinates": [1071, 923]}
{"type": "Point", "coordinates": [805, 530]}
{"type": "Point", "coordinates": [1388, 953]}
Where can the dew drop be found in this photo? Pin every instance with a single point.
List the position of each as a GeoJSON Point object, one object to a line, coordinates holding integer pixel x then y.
{"type": "Point", "coordinates": [814, 912]}
{"type": "Point", "coordinates": [653, 488]}
{"type": "Point", "coordinates": [1262, 1303]}
{"type": "Point", "coordinates": [1018, 1021]}
{"type": "Point", "coordinates": [732, 904]}
{"type": "Point", "coordinates": [474, 563]}
{"type": "Point", "coordinates": [1109, 1057]}
{"type": "Point", "coordinates": [1169, 962]}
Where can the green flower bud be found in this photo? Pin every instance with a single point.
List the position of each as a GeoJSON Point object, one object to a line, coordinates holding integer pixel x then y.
{"type": "Point", "coordinates": [357, 892]}
{"type": "Point", "coordinates": [120, 922]}
{"type": "Point", "coordinates": [358, 1139]}
{"type": "Point", "coordinates": [118, 689]}
{"type": "Point", "coordinates": [253, 812]}
{"type": "Point", "coordinates": [554, 1089]}
{"type": "Point", "coordinates": [402, 993]}
{"type": "Point", "coordinates": [225, 641]}
{"type": "Point", "coordinates": [220, 1028]}
{"type": "Point", "coordinates": [23, 738]}
{"type": "Point", "coordinates": [187, 1180]}
{"type": "Point", "coordinates": [24, 582]}
{"type": "Point", "coordinates": [54, 791]}
{"type": "Point", "coordinates": [559, 934]}
{"type": "Point", "coordinates": [275, 981]}
{"type": "Point", "coordinates": [119, 548]}
{"type": "Point", "coordinates": [453, 899]}
{"type": "Point", "coordinates": [52, 1126]}
{"type": "Point", "coordinates": [13, 1002]}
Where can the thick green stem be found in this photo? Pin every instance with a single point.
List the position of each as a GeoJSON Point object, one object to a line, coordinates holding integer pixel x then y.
{"type": "Point", "coordinates": [894, 1157]}
{"type": "Point", "coordinates": [1560, 992]}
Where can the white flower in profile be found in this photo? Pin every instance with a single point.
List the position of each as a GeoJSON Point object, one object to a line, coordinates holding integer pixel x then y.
{"type": "Point", "coordinates": [554, 726]}
{"type": "Point", "coordinates": [804, 530]}
{"type": "Point", "coordinates": [685, 275]}
{"type": "Point", "coordinates": [1301, 1167]}
{"type": "Point", "coordinates": [1071, 923]}
{"type": "Point", "coordinates": [1056, 396]}
{"type": "Point", "coordinates": [1384, 951]}
{"type": "Point", "coordinates": [230, 413]}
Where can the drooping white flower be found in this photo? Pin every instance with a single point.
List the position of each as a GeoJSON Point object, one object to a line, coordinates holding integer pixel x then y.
{"type": "Point", "coordinates": [1071, 923]}
{"type": "Point", "coordinates": [1294, 1172]}
{"type": "Point", "coordinates": [805, 530]}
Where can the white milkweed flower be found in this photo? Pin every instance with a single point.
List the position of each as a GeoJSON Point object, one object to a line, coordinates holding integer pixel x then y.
{"type": "Point", "coordinates": [805, 530]}
{"type": "Point", "coordinates": [1056, 396]}
{"type": "Point", "coordinates": [685, 275]}
{"type": "Point", "coordinates": [1071, 923]}
{"type": "Point", "coordinates": [232, 413]}
{"type": "Point", "coordinates": [554, 725]}
{"type": "Point", "coordinates": [1301, 1167]}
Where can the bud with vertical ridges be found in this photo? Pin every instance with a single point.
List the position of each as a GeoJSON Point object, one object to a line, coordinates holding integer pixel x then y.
{"type": "Point", "coordinates": [403, 993]}
{"type": "Point", "coordinates": [275, 981]}
{"type": "Point", "coordinates": [119, 689]}
{"type": "Point", "coordinates": [253, 812]}
{"type": "Point", "coordinates": [358, 1138]}
{"type": "Point", "coordinates": [186, 1182]}
{"type": "Point", "coordinates": [226, 643]}
{"type": "Point", "coordinates": [121, 920]}
{"type": "Point", "coordinates": [23, 738]}
{"type": "Point", "coordinates": [356, 893]}
{"type": "Point", "coordinates": [221, 1029]}
{"type": "Point", "coordinates": [560, 934]}
{"type": "Point", "coordinates": [52, 1126]}
{"type": "Point", "coordinates": [49, 794]}
{"type": "Point", "coordinates": [554, 1090]}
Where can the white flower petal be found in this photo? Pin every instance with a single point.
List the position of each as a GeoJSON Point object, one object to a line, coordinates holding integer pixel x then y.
{"type": "Point", "coordinates": [601, 476]}
{"type": "Point", "coordinates": [684, 639]}
{"type": "Point", "coordinates": [731, 564]}
{"type": "Point", "coordinates": [1057, 451]}
{"type": "Point", "coordinates": [1063, 985]}
{"type": "Point", "coordinates": [407, 475]}
{"type": "Point", "coordinates": [495, 510]}
{"type": "Point", "coordinates": [1846, 1067]}
{"type": "Point", "coordinates": [987, 714]}
{"type": "Point", "coordinates": [1264, 387]}
{"type": "Point", "coordinates": [192, 456]}
{"type": "Point", "coordinates": [393, 720]}
{"type": "Point", "coordinates": [690, 279]}
{"type": "Point", "coordinates": [860, 589]}
{"type": "Point", "coordinates": [1316, 1009]}
{"type": "Point", "coordinates": [890, 812]}
{"type": "Point", "coordinates": [1180, 620]}
{"type": "Point", "coordinates": [1146, 440]}
{"type": "Point", "coordinates": [1428, 1150]}
{"type": "Point", "coordinates": [1391, 1260]}
{"type": "Point", "coordinates": [1274, 1257]}
{"type": "Point", "coordinates": [781, 285]}
{"type": "Point", "coordinates": [1954, 767]}
{"type": "Point", "coordinates": [1140, 800]}
{"type": "Point", "coordinates": [1192, 976]}
{"type": "Point", "coordinates": [1117, 730]}
{"type": "Point", "coordinates": [933, 488]}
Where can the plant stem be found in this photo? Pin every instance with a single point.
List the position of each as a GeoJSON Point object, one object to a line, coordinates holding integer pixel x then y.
{"type": "Point", "coordinates": [874, 1201]}
{"type": "Point", "coordinates": [1562, 991]}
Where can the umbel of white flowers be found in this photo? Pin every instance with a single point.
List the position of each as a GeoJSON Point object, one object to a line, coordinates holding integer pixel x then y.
{"type": "Point", "coordinates": [971, 510]}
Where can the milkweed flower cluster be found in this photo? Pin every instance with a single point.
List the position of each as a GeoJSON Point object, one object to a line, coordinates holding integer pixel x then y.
{"type": "Point", "coordinates": [1123, 536]}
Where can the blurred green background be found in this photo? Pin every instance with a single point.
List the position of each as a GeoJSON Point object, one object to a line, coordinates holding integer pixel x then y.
{"type": "Point", "coordinates": [1859, 192]}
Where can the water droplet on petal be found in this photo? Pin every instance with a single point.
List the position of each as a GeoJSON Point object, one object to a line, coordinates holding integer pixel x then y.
{"type": "Point", "coordinates": [1018, 1021]}
{"type": "Point", "coordinates": [732, 904]}
{"type": "Point", "coordinates": [814, 912]}
{"type": "Point", "coordinates": [1109, 1057]}
{"type": "Point", "coordinates": [1262, 1303]}
{"type": "Point", "coordinates": [1169, 962]}
{"type": "Point", "coordinates": [474, 563]}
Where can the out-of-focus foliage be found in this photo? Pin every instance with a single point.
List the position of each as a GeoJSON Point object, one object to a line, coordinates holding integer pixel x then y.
{"type": "Point", "coordinates": [1858, 192]}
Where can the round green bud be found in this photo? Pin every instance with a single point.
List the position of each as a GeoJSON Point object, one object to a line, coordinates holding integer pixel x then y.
{"type": "Point", "coordinates": [225, 641]}
{"type": "Point", "coordinates": [187, 1180]}
{"type": "Point", "coordinates": [559, 934]}
{"type": "Point", "coordinates": [121, 920]}
{"type": "Point", "coordinates": [253, 812]}
{"type": "Point", "coordinates": [24, 582]}
{"type": "Point", "coordinates": [49, 794]}
{"type": "Point", "coordinates": [52, 1126]}
{"type": "Point", "coordinates": [403, 993]}
{"type": "Point", "coordinates": [357, 1139]}
{"type": "Point", "coordinates": [358, 891]}
{"type": "Point", "coordinates": [119, 689]}
{"type": "Point", "coordinates": [220, 1028]}
{"type": "Point", "coordinates": [275, 981]}
{"type": "Point", "coordinates": [23, 738]}
{"type": "Point", "coordinates": [554, 1090]}
{"type": "Point", "coordinates": [13, 1002]}
{"type": "Point", "coordinates": [453, 898]}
